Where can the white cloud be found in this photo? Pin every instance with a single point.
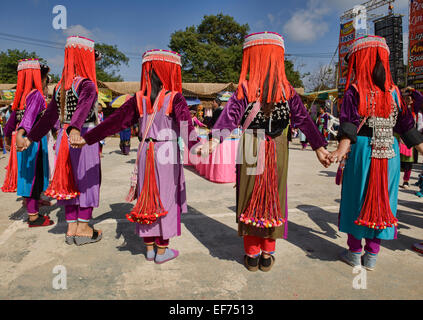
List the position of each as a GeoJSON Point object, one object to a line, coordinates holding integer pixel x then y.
{"type": "Point", "coordinates": [78, 30]}
{"type": "Point", "coordinates": [271, 17]}
{"type": "Point", "coordinates": [307, 25]}
{"type": "Point", "coordinates": [56, 61]}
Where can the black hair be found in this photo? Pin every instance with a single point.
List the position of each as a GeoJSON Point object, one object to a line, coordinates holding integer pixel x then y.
{"type": "Point", "coordinates": [44, 70]}
{"type": "Point", "coordinates": [268, 107]}
{"type": "Point", "coordinates": [156, 86]}
{"type": "Point", "coordinates": [97, 55]}
{"type": "Point", "coordinates": [218, 101]}
{"type": "Point", "coordinates": [379, 74]}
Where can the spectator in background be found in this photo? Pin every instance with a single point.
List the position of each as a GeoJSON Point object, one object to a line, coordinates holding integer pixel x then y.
{"type": "Point", "coordinates": [217, 110]}
{"type": "Point", "coordinates": [322, 122]}
{"type": "Point", "coordinates": [208, 115]}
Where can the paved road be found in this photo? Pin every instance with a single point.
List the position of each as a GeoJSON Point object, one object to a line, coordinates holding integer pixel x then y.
{"type": "Point", "coordinates": [210, 265]}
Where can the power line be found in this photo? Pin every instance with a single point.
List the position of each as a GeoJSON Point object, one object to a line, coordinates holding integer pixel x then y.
{"type": "Point", "coordinates": [130, 55]}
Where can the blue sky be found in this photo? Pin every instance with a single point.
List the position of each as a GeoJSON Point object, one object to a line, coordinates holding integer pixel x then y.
{"type": "Point", "coordinates": [309, 26]}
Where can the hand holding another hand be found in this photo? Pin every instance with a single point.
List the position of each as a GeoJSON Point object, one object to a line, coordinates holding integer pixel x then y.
{"type": "Point", "coordinates": [75, 139]}
{"type": "Point", "coordinates": [323, 156]}
{"type": "Point", "coordinates": [22, 143]}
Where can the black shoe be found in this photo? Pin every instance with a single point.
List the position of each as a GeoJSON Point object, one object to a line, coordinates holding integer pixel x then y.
{"type": "Point", "coordinates": [252, 264]}
{"type": "Point", "coordinates": [266, 264]}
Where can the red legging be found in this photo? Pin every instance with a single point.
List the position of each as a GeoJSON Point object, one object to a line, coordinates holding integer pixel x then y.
{"type": "Point", "coordinates": [253, 245]}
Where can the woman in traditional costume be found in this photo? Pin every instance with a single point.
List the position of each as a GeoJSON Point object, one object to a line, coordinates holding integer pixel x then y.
{"type": "Point", "coordinates": [322, 122]}
{"type": "Point", "coordinates": [372, 110]}
{"type": "Point", "coordinates": [160, 109]}
{"type": "Point", "coordinates": [125, 141]}
{"type": "Point", "coordinates": [264, 105]}
{"type": "Point", "coordinates": [76, 180]}
{"type": "Point", "coordinates": [32, 167]}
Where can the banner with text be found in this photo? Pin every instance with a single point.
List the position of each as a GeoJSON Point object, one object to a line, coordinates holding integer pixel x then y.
{"type": "Point", "coordinates": [346, 38]}
{"type": "Point", "coordinates": [415, 45]}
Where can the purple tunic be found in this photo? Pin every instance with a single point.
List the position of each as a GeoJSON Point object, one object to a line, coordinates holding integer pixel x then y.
{"type": "Point", "coordinates": [168, 167]}
{"type": "Point", "coordinates": [10, 125]}
{"type": "Point", "coordinates": [85, 161]}
{"type": "Point", "coordinates": [418, 101]}
{"type": "Point", "coordinates": [349, 120]}
{"type": "Point", "coordinates": [232, 114]}
{"type": "Point", "coordinates": [35, 103]}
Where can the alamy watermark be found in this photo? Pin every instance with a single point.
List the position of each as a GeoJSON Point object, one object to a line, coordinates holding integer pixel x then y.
{"type": "Point", "coordinates": [60, 20]}
{"type": "Point", "coordinates": [250, 150]}
{"type": "Point", "coordinates": [60, 281]}
{"type": "Point", "coordinates": [360, 280]}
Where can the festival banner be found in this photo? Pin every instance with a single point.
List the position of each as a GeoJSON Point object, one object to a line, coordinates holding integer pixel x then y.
{"type": "Point", "coordinates": [346, 38]}
{"type": "Point", "coordinates": [415, 45]}
{"type": "Point", "coordinates": [8, 94]}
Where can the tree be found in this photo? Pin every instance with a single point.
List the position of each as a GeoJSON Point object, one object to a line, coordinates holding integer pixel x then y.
{"type": "Point", "coordinates": [212, 51]}
{"type": "Point", "coordinates": [294, 76]}
{"type": "Point", "coordinates": [111, 60]}
{"type": "Point", "coordinates": [323, 79]}
{"type": "Point", "coordinates": [54, 78]}
{"type": "Point", "coordinates": [9, 63]}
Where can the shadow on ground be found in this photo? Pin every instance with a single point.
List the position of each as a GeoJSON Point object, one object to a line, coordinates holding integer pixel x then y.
{"type": "Point", "coordinates": [21, 213]}
{"type": "Point", "coordinates": [310, 241]}
{"type": "Point", "coordinates": [131, 241]}
{"type": "Point", "coordinates": [328, 174]}
{"type": "Point", "coordinates": [222, 241]}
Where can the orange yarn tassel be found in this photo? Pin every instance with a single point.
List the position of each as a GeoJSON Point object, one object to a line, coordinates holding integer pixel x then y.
{"type": "Point", "coordinates": [149, 207]}
{"type": "Point", "coordinates": [264, 208]}
{"type": "Point", "coordinates": [63, 186]}
{"type": "Point", "coordinates": [376, 212]}
{"type": "Point", "coordinates": [11, 179]}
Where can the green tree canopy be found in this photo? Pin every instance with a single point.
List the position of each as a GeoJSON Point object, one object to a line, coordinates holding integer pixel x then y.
{"type": "Point", "coordinates": [294, 76]}
{"type": "Point", "coordinates": [212, 51]}
{"type": "Point", "coordinates": [106, 68]}
{"type": "Point", "coordinates": [110, 62]}
{"type": "Point", "coordinates": [9, 63]}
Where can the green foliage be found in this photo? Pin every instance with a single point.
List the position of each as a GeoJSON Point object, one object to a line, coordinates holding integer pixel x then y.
{"type": "Point", "coordinates": [294, 76]}
{"type": "Point", "coordinates": [212, 51]}
{"type": "Point", "coordinates": [110, 62]}
{"type": "Point", "coordinates": [9, 64]}
{"type": "Point", "coordinates": [54, 78]}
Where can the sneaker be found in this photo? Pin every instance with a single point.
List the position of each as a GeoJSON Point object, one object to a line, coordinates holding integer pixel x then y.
{"type": "Point", "coordinates": [351, 258]}
{"type": "Point", "coordinates": [405, 185]}
{"type": "Point", "coordinates": [369, 261]}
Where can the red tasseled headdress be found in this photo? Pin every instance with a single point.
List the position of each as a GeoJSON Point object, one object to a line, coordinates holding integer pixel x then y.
{"type": "Point", "coordinates": [167, 66]}
{"type": "Point", "coordinates": [264, 55]}
{"type": "Point", "coordinates": [29, 78]}
{"type": "Point", "coordinates": [79, 61]}
{"type": "Point", "coordinates": [376, 212]}
{"type": "Point", "coordinates": [361, 61]}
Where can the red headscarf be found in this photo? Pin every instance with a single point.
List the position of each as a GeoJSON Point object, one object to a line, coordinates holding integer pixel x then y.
{"type": "Point", "coordinates": [264, 55]}
{"type": "Point", "coordinates": [362, 60]}
{"type": "Point", "coordinates": [79, 61]}
{"type": "Point", "coordinates": [29, 78]}
{"type": "Point", "coordinates": [167, 66]}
